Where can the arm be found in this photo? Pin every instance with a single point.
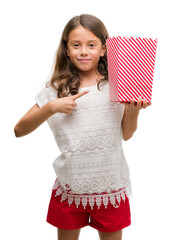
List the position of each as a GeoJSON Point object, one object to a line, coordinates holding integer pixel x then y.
{"type": "Point", "coordinates": [129, 123]}
{"type": "Point", "coordinates": [33, 119]}
{"type": "Point", "coordinates": [36, 116]}
{"type": "Point", "coordinates": [130, 117]}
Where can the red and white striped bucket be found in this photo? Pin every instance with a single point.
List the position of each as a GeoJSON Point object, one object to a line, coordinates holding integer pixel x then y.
{"type": "Point", "coordinates": [131, 64]}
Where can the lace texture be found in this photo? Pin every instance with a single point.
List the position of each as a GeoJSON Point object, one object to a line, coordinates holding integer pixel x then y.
{"type": "Point", "coordinates": [93, 174]}
{"type": "Point", "coordinates": [114, 198]}
{"type": "Point", "coordinates": [92, 161]}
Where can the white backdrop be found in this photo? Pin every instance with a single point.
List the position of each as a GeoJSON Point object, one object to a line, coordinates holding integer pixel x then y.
{"type": "Point", "coordinates": [30, 33]}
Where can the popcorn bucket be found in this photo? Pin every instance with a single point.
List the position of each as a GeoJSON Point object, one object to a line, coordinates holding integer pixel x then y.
{"type": "Point", "coordinates": [131, 64]}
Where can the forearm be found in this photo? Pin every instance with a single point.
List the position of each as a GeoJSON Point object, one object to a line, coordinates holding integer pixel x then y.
{"type": "Point", "coordinates": [129, 124]}
{"type": "Point", "coordinates": [33, 119]}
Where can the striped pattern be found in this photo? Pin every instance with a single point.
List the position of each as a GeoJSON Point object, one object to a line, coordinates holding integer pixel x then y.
{"type": "Point", "coordinates": [131, 64]}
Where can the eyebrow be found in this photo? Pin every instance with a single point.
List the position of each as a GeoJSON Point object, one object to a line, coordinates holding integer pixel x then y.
{"type": "Point", "coordinates": [79, 41]}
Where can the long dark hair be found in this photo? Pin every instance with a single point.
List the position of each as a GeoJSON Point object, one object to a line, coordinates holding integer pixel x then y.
{"type": "Point", "coordinates": [65, 74]}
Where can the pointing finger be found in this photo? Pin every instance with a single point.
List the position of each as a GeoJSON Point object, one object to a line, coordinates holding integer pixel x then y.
{"type": "Point", "coordinates": [74, 97]}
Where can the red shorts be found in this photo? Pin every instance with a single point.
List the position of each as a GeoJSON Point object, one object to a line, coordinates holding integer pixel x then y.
{"type": "Point", "coordinates": [109, 219]}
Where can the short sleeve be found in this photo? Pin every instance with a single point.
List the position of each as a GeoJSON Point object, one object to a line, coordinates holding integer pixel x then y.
{"type": "Point", "coordinates": [45, 95]}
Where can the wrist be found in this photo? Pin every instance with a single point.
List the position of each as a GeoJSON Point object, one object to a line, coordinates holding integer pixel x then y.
{"type": "Point", "coordinates": [51, 109]}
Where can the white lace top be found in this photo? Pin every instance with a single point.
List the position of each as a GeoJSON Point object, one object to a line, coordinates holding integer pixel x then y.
{"type": "Point", "coordinates": [92, 167]}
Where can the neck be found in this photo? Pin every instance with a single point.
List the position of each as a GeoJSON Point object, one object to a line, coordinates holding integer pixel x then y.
{"type": "Point", "coordinates": [89, 77]}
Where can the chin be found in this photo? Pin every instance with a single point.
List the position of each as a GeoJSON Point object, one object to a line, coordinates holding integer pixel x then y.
{"type": "Point", "coordinates": [85, 68]}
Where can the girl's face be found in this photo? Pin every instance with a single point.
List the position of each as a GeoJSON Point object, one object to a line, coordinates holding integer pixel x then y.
{"type": "Point", "coordinates": [84, 49]}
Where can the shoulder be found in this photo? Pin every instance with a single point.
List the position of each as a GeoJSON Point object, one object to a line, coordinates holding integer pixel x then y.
{"type": "Point", "coordinates": [45, 94]}
{"type": "Point", "coordinates": [46, 90]}
{"type": "Point", "coordinates": [105, 84]}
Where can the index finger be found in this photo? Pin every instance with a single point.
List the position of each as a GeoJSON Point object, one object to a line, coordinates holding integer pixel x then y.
{"type": "Point", "coordinates": [79, 95]}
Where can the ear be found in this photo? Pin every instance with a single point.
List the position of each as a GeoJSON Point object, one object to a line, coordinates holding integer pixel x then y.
{"type": "Point", "coordinates": [103, 50]}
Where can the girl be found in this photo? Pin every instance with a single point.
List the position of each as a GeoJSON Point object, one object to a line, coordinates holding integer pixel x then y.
{"type": "Point", "coordinates": [92, 173]}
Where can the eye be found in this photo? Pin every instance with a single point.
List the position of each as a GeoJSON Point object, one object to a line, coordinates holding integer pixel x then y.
{"type": "Point", "coordinates": [92, 45]}
{"type": "Point", "coordinates": [75, 45]}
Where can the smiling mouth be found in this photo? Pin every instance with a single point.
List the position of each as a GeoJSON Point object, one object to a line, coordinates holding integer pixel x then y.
{"type": "Point", "coordinates": [84, 60]}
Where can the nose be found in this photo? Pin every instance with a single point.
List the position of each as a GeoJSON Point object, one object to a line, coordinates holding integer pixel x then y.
{"type": "Point", "coordinates": [84, 51]}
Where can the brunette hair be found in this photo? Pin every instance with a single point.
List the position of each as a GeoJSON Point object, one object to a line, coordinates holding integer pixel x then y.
{"type": "Point", "coordinates": [65, 74]}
